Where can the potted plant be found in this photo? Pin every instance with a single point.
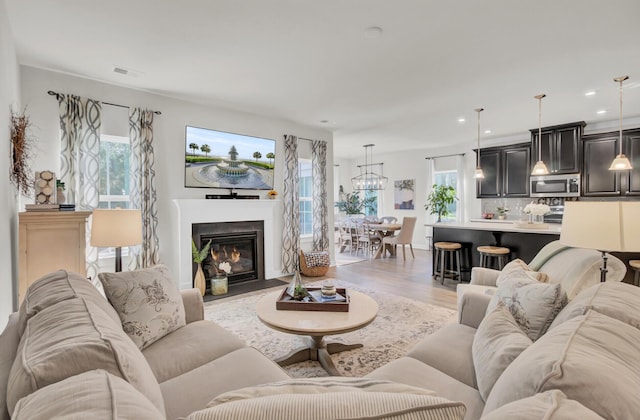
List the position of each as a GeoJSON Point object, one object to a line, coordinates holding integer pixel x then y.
{"type": "Point", "coordinates": [439, 199]}
{"type": "Point", "coordinates": [353, 204]}
{"type": "Point", "coordinates": [502, 212]}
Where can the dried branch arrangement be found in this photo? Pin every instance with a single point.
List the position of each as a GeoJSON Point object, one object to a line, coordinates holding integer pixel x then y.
{"type": "Point", "coordinates": [21, 144]}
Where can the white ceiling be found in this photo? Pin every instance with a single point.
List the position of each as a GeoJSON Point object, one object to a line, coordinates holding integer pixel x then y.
{"type": "Point", "coordinates": [309, 61]}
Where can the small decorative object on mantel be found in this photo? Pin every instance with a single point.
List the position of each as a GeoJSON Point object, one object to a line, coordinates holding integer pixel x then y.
{"type": "Point", "coordinates": [21, 150]}
{"type": "Point", "coordinates": [272, 194]}
{"type": "Point", "coordinates": [199, 256]}
{"type": "Point", "coordinates": [45, 187]}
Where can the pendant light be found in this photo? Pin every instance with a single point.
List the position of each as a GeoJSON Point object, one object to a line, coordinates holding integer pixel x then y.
{"type": "Point", "coordinates": [369, 180]}
{"type": "Point", "coordinates": [620, 163]}
{"type": "Point", "coordinates": [479, 173]}
{"type": "Point", "coordinates": [540, 168]}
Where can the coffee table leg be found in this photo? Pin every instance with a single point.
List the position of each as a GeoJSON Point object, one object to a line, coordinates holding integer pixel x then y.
{"type": "Point", "coordinates": [296, 356]}
{"type": "Point", "coordinates": [318, 351]}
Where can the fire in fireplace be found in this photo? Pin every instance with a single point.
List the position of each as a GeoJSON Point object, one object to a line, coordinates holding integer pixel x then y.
{"type": "Point", "coordinates": [241, 244]}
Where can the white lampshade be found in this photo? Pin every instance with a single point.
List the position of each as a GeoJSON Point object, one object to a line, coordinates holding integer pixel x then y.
{"type": "Point", "coordinates": [479, 174]}
{"type": "Point", "coordinates": [116, 228]}
{"type": "Point", "coordinates": [612, 226]}
{"type": "Point", "coordinates": [540, 169]}
{"type": "Point", "coordinates": [620, 163]}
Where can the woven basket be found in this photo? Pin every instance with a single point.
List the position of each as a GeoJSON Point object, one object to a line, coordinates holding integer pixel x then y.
{"type": "Point", "coordinates": [311, 271]}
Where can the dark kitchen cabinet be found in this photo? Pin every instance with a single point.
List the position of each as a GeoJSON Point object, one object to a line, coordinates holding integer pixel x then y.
{"type": "Point", "coordinates": [506, 171]}
{"type": "Point", "coordinates": [599, 150]}
{"type": "Point", "coordinates": [559, 148]}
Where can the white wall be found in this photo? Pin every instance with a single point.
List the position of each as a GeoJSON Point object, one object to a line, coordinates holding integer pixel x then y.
{"type": "Point", "coordinates": [9, 100]}
{"type": "Point", "coordinates": [169, 131]}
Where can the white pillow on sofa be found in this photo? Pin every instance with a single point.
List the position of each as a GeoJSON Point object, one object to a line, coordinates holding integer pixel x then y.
{"type": "Point", "coordinates": [533, 305]}
{"type": "Point", "coordinates": [550, 405]}
{"type": "Point", "coordinates": [496, 343]}
{"type": "Point", "coordinates": [148, 302]}
{"type": "Point", "coordinates": [520, 270]}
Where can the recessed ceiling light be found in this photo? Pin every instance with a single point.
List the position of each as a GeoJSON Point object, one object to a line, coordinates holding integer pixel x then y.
{"type": "Point", "coordinates": [590, 93]}
{"type": "Point", "coordinates": [461, 120]}
{"type": "Point", "coordinates": [373, 32]}
{"type": "Point", "coordinates": [601, 111]}
{"type": "Point", "coordinates": [487, 131]}
{"type": "Point", "coordinates": [324, 121]}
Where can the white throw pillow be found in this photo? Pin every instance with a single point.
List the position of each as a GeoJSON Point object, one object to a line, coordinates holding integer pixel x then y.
{"type": "Point", "coordinates": [147, 301]}
{"type": "Point", "coordinates": [520, 270]}
{"type": "Point", "coordinates": [497, 342]}
{"type": "Point", "coordinates": [533, 305]}
{"type": "Point", "coordinates": [550, 405]}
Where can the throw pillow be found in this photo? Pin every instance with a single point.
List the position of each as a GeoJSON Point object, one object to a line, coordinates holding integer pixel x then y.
{"type": "Point", "coordinates": [533, 305]}
{"type": "Point", "coordinates": [519, 269]}
{"type": "Point", "coordinates": [147, 301]}
{"type": "Point", "coordinates": [331, 398]}
{"type": "Point", "coordinates": [497, 342]}
{"type": "Point", "coordinates": [550, 405]}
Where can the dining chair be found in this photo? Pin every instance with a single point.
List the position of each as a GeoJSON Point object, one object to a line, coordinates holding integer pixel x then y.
{"type": "Point", "coordinates": [345, 236]}
{"type": "Point", "coordinates": [404, 237]}
{"type": "Point", "coordinates": [388, 219]}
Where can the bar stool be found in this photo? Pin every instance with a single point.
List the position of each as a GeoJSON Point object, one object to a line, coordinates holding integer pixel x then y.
{"type": "Point", "coordinates": [500, 253]}
{"type": "Point", "coordinates": [635, 264]}
{"type": "Point", "coordinates": [453, 250]}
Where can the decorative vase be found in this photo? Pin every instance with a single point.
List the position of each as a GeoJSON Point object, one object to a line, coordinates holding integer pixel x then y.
{"type": "Point", "coordinates": [219, 285]}
{"type": "Point", "coordinates": [501, 217]}
{"type": "Point", "coordinates": [536, 219]}
{"type": "Point", "coordinates": [199, 280]}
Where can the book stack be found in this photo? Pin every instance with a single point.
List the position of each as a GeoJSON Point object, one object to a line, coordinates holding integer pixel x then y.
{"type": "Point", "coordinates": [42, 207]}
{"type": "Point", "coordinates": [67, 207]}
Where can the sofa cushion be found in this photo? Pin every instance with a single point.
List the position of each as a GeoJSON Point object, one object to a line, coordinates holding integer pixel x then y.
{"type": "Point", "coordinates": [533, 305]}
{"type": "Point", "coordinates": [410, 371]}
{"type": "Point", "coordinates": [72, 337]}
{"type": "Point", "coordinates": [148, 302]}
{"type": "Point", "coordinates": [550, 405]}
{"type": "Point", "coordinates": [330, 398]}
{"type": "Point", "coordinates": [96, 394]}
{"type": "Point", "coordinates": [617, 300]}
{"type": "Point", "coordinates": [497, 342]}
{"type": "Point", "coordinates": [591, 358]}
{"type": "Point", "coordinates": [449, 351]}
{"type": "Point", "coordinates": [518, 269]}
{"type": "Point", "coordinates": [189, 347]}
{"type": "Point", "coordinates": [9, 340]}
{"type": "Point", "coordinates": [58, 286]}
{"type": "Point", "coordinates": [240, 368]}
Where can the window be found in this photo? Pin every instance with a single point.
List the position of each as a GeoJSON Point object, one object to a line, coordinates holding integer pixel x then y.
{"type": "Point", "coordinates": [306, 197]}
{"type": "Point", "coordinates": [448, 178]}
{"type": "Point", "coordinates": [114, 172]}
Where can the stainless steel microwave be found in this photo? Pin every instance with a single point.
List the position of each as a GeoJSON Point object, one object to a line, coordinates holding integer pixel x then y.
{"type": "Point", "coordinates": [555, 185]}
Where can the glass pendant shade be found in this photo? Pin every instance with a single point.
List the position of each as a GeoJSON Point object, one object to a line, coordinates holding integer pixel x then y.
{"type": "Point", "coordinates": [540, 168]}
{"type": "Point", "coordinates": [368, 180]}
{"type": "Point", "coordinates": [479, 174]}
{"type": "Point", "coordinates": [621, 162]}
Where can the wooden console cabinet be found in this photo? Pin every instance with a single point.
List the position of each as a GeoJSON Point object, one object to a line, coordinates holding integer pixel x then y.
{"type": "Point", "coordinates": [50, 241]}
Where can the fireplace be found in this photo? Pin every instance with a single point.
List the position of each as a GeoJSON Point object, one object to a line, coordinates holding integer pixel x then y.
{"type": "Point", "coordinates": [241, 244]}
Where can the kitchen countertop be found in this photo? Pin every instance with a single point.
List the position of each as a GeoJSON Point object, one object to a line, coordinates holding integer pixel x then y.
{"type": "Point", "coordinates": [498, 226]}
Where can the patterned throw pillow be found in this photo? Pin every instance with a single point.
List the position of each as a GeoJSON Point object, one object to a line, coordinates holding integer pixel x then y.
{"type": "Point", "coordinates": [520, 269]}
{"type": "Point", "coordinates": [147, 301]}
{"type": "Point", "coordinates": [534, 305]}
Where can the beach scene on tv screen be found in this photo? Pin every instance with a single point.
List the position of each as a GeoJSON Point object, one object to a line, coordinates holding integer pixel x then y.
{"type": "Point", "coordinates": [216, 159]}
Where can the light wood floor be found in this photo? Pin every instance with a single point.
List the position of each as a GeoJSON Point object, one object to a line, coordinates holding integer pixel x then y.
{"type": "Point", "coordinates": [411, 279]}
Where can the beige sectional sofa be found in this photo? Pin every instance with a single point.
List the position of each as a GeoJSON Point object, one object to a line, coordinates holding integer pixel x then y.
{"type": "Point", "coordinates": [65, 327]}
{"type": "Point", "coordinates": [585, 364]}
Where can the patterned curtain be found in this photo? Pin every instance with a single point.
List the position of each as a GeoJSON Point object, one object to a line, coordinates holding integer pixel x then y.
{"type": "Point", "coordinates": [142, 187]}
{"type": "Point", "coordinates": [320, 205]}
{"type": "Point", "coordinates": [291, 199]}
{"type": "Point", "coordinates": [80, 159]}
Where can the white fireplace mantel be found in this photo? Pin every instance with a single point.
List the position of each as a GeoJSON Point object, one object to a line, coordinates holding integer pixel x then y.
{"type": "Point", "coordinates": [190, 211]}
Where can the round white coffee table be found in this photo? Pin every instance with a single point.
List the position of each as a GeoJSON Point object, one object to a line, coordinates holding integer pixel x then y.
{"type": "Point", "coordinates": [317, 325]}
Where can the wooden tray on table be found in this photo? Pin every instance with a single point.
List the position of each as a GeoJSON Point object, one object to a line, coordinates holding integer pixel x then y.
{"type": "Point", "coordinates": [286, 302]}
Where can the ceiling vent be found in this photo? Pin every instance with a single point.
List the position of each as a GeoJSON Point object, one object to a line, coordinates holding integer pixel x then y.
{"type": "Point", "coordinates": [120, 70]}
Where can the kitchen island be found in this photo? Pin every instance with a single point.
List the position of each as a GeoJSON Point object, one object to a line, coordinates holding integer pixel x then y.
{"type": "Point", "coordinates": [524, 242]}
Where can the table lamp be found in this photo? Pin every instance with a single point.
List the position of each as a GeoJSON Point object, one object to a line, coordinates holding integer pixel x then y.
{"type": "Point", "coordinates": [116, 228]}
{"type": "Point", "coordinates": [606, 226]}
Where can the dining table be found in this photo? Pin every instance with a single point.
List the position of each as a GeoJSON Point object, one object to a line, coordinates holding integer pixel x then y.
{"type": "Point", "coordinates": [383, 230]}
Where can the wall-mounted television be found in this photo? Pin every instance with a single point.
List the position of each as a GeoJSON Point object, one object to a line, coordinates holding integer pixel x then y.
{"type": "Point", "coordinates": [217, 159]}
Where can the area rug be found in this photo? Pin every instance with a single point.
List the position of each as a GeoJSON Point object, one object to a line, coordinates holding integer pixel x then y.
{"type": "Point", "coordinates": [344, 258]}
{"type": "Point", "coordinates": [400, 324]}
